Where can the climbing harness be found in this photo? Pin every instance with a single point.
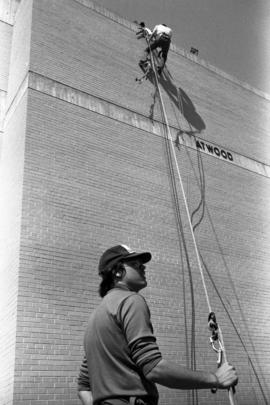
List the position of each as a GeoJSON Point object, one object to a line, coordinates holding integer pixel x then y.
{"type": "Point", "coordinates": [212, 319]}
{"type": "Point", "coordinates": [148, 66]}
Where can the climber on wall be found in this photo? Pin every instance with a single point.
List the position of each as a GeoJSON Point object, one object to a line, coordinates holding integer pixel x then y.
{"type": "Point", "coordinates": [161, 38]}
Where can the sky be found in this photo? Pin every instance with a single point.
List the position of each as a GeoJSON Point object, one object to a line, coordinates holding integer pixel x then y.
{"type": "Point", "coordinates": [233, 35]}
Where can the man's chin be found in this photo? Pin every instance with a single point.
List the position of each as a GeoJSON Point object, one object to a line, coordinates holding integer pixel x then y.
{"type": "Point", "coordinates": [144, 284]}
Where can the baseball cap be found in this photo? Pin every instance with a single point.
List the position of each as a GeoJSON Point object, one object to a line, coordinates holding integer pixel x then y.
{"type": "Point", "coordinates": [120, 253]}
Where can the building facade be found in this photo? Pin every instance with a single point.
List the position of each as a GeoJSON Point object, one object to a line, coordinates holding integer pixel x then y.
{"type": "Point", "coordinates": [89, 159]}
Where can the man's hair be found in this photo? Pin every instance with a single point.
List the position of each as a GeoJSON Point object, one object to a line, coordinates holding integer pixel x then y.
{"type": "Point", "coordinates": [108, 278]}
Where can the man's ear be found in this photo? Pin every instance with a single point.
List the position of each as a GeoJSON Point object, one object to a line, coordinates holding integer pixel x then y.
{"type": "Point", "coordinates": [120, 272]}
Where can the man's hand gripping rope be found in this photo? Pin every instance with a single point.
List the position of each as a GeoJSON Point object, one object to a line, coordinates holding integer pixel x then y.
{"type": "Point", "coordinates": [223, 373]}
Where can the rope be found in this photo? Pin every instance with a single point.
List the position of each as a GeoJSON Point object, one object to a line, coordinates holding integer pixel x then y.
{"type": "Point", "coordinates": [202, 204]}
{"type": "Point", "coordinates": [230, 392]}
{"type": "Point", "coordinates": [182, 188]}
{"type": "Point", "coordinates": [201, 183]}
{"type": "Point", "coordinates": [191, 360]}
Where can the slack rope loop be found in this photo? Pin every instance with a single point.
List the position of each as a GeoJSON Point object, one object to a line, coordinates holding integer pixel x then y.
{"type": "Point", "coordinates": [250, 362]}
{"type": "Point", "coordinates": [202, 204]}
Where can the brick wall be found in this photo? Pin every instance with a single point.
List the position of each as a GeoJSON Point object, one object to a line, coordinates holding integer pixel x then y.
{"type": "Point", "coordinates": [96, 173]}
{"type": "Point", "coordinates": [97, 55]}
{"type": "Point", "coordinates": [11, 176]}
{"type": "Point", "coordinates": [5, 46]}
{"type": "Point", "coordinates": [12, 127]}
{"type": "Point", "coordinates": [20, 52]}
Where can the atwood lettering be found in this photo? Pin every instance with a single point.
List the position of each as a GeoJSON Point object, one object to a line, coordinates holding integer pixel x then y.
{"type": "Point", "coordinates": [214, 150]}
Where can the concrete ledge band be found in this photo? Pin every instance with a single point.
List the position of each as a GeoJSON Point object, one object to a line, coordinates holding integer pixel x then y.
{"type": "Point", "coordinates": [129, 117]}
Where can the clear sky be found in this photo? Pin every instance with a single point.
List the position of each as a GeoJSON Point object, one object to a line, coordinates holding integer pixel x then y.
{"type": "Point", "coordinates": [233, 35]}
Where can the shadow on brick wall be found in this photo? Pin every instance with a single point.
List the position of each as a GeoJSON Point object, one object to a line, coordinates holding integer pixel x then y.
{"type": "Point", "coordinates": [179, 98]}
{"type": "Point", "coordinates": [182, 101]}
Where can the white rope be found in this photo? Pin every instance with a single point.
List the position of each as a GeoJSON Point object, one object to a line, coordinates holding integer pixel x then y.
{"type": "Point", "coordinates": [230, 392]}
{"type": "Point", "coordinates": [182, 188]}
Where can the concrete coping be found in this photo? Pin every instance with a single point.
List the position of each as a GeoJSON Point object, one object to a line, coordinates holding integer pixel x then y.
{"type": "Point", "coordinates": [119, 113]}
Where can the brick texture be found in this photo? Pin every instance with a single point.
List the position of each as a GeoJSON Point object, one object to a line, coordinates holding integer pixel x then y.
{"type": "Point", "coordinates": [86, 181]}
{"type": "Point", "coordinates": [99, 56]}
{"type": "Point", "coordinates": [11, 176]}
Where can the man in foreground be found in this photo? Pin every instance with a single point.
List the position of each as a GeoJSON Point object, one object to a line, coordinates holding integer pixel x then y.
{"type": "Point", "coordinates": [123, 359]}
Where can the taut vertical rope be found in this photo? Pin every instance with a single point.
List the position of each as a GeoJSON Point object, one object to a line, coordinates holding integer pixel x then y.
{"type": "Point", "coordinates": [230, 392]}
